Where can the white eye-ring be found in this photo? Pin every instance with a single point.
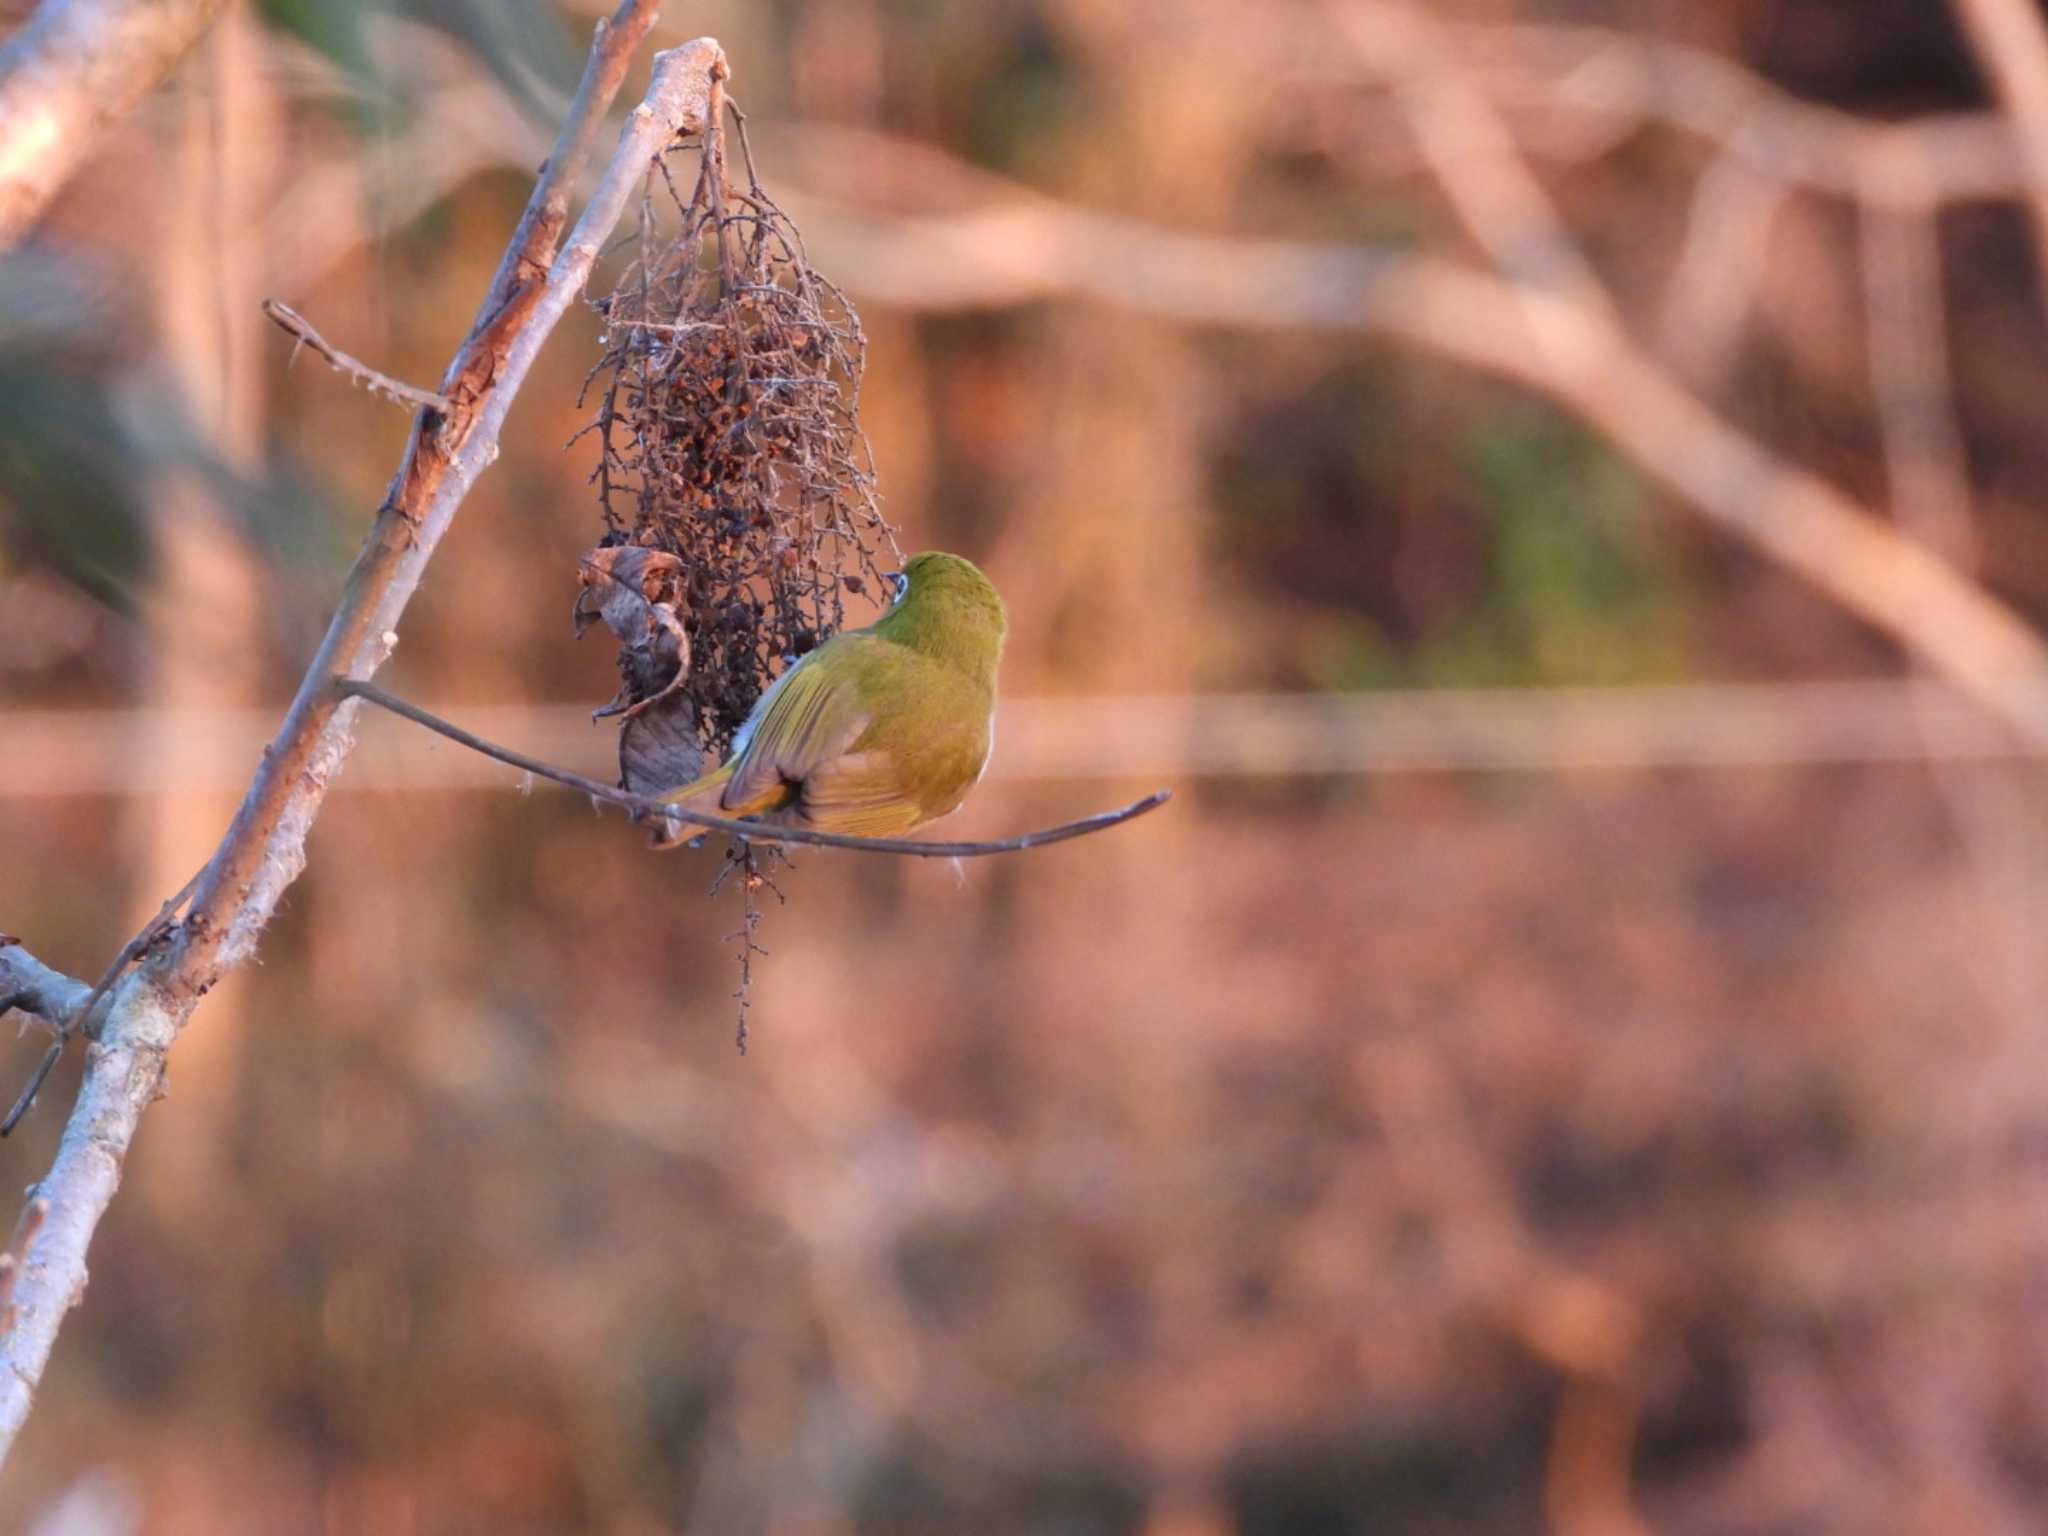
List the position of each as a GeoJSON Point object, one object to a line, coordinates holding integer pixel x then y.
{"type": "Point", "coordinates": [900, 581]}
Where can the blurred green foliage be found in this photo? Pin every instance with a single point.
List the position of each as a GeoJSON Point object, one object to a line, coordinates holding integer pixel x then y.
{"type": "Point", "coordinates": [1014, 119]}
{"type": "Point", "coordinates": [1578, 590]}
{"type": "Point", "coordinates": [526, 46]}
{"type": "Point", "coordinates": [69, 472]}
{"type": "Point", "coordinates": [86, 429]}
{"type": "Point", "coordinates": [1495, 544]}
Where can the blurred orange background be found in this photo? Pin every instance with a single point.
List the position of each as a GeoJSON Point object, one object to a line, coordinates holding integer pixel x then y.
{"type": "Point", "coordinates": [1569, 1058]}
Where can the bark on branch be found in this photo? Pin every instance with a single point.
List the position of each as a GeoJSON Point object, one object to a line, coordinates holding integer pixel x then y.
{"type": "Point", "coordinates": [265, 847]}
{"type": "Point", "coordinates": [74, 69]}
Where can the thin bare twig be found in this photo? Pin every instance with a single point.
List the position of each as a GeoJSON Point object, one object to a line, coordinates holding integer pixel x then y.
{"type": "Point", "coordinates": [33, 987]}
{"type": "Point", "coordinates": [34, 1086]}
{"type": "Point", "coordinates": [742, 860]}
{"type": "Point", "coordinates": [79, 1019]}
{"type": "Point", "coordinates": [132, 951]}
{"type": "Point", "coordinates": [264, 849]}
{"type": "Point", "coordinates": [290, 320]}
{"type": "Point", "coordinates": [59, 1001]}
{"type": "Point", "coordinates": [645, 808]}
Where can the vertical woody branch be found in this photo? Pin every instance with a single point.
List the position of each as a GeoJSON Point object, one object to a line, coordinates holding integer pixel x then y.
{"type": "Point", "coordinates": [264, 849]}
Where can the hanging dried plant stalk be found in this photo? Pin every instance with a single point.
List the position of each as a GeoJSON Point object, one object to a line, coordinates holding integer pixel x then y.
{"type": "Point", "coordinates": [736, 485]}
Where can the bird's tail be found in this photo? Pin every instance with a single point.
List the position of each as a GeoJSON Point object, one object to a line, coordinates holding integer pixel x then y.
{"type": "Point", "coordinates": [698, 795]}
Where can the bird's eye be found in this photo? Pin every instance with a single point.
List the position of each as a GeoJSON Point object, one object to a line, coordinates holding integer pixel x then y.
{"type": "Point", "coordinates": [900, 581]}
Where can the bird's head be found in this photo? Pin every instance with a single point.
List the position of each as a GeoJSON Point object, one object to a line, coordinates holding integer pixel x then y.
{"type": "Point", "coordinates": [946, 608]}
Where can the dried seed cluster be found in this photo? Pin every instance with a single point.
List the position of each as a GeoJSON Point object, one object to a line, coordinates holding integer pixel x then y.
{"type": "Point", "coordinates": [728, 397]}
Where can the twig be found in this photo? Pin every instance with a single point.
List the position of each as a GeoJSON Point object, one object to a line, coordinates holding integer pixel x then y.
{"type": "Point", "coordinates": [132, 951]}
{"type": "Point", "coordinates": [646, 808]}
{"type": "Point", "coordinates": [58, 1000]}
{"type": "Point", "coordinates": [33, 987]}
{"type": "Point", "coordinates": [73, 70]}
{"type": "Point", "coordinates": [264, 848]}
{"type": "Point", "coordinates": [79, 1019]}
{"type": "Point", "coordinates": [741, 859]}
{"type": "Point", "coordinates": [288, 319]}
{"type": "Point", "coordinates": [34, 1086]}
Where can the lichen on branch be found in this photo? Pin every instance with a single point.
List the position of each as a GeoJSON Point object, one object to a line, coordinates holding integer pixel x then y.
{"type": "Point", "coordinates": [729, 445]}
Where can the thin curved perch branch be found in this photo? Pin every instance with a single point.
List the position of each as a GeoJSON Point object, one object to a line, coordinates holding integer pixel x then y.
{"type": "Point", "coordinates": [646, 808]}
{"type": "Point", "coordinates": [75, 69]}
{"type": "Point", "coordinates": [264, 848]}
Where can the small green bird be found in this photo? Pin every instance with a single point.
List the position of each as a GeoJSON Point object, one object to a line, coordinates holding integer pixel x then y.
{"type": "Point", "coordinates": [879, 729]}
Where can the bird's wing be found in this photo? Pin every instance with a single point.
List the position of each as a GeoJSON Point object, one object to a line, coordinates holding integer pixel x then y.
{"type": "Point", "coordinates": [859, 793]}
{"type": "Point", "coordinates": [812, 715]}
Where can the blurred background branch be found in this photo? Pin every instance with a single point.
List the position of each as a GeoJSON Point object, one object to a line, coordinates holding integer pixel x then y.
{"type": "Point", "coordinates": [72, 71]}
{"type": "Point", "coordinates": [1578, 93]}
{"type": "Point", "coordinates": [2012, 45]}
{"type": "Point", "coordinates": [88, 753]}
